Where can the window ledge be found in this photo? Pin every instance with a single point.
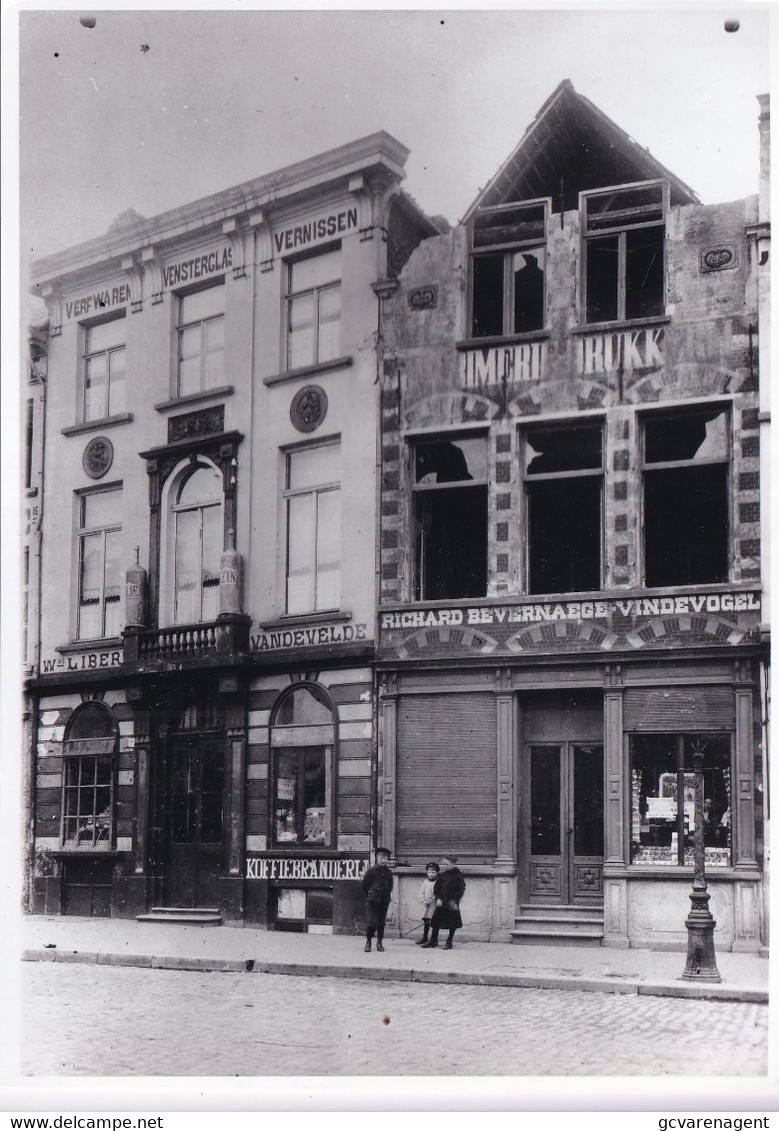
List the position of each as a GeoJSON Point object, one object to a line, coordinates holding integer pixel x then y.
{"type": "Point", "coordinates": [623, 324]}
{"type": "Point", "coordinates": [92, 645]}
{"type": "Point", "coordinates": [90, 850]}
{"type": "Point", "coordinates": [30, 492]}
{"type": "Point", "coordinates": [196, 398]}
{"type": "Point", "coordinates": [308, 371]}
{"type": "Point", "coordinates": [98, 425]}
{"type": "Point", "coordinates": [502, 340]}
{"type": "Point", "coordinates": [335, 616]}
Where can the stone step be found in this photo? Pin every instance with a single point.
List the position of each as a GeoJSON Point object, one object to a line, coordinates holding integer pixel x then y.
{"type": "Point", "coordinates": [563, 913]}
{"type": "Point", "coordinates": [558, 925]}
{"type": "Point", "coordinates": [204, 915]}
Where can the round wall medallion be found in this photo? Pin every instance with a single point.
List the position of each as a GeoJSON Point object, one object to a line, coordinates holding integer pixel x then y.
{"type": "Point", "coordinates": [308, 408]}
{"type": "Point", "coordinates": [98, 457]}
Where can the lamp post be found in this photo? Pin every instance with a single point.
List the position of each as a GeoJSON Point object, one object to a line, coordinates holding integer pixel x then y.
{"type": "Point", "coordinates": [701, 960]}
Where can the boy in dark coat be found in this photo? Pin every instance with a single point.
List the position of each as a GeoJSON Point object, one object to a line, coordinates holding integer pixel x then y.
{"type": "Point", "coordinates": [449, 889]}
{"type": "Point", "coordinates": [377, 885]}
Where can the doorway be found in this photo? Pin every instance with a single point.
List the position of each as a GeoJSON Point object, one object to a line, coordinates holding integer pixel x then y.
{"type": "Point", "coordinates": [196, 823]}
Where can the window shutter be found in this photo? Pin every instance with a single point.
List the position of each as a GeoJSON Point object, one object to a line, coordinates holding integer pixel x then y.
{"type": "Point", "coordinates": [668, 709]}
{"type": "Point", "coordinates": [447, 776]}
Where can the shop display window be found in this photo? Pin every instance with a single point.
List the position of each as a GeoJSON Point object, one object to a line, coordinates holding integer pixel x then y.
{"type": "Point", "coordinates": [686, 458]}
{"type": "Point", "coordinates": [563, 473]}
{"type": "Point", "coordinates": [300, 802]}
{"type": "Point", "coordinates": [624, 252]}
{"type": "Point", "coordinates": [88, 779]}
{"type": "Point", "coordinates": [662, 819]}
{"type": "Point", "coordinates": [508, 280]}
{"type": "Point", "coordinates": [450, 517]}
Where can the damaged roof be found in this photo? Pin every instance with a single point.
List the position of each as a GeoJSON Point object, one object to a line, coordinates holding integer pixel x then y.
{"type": "Point", "coordinates": [571, 147]}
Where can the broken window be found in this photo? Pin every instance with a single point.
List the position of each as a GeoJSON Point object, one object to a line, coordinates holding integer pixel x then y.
{"type": "Point", "coordinates": [624, 253]}
{"type": "Point", "coordinates": [508, 279]}
{"type": "Point", "coordinates": [450, 517]}
{"type": "Point", "coordinates": [563, 467]}
{"type": "Point", "coordinates": [686, 528]}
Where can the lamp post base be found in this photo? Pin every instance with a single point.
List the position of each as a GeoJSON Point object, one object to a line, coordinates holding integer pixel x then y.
{"type": "Point", "coordinates": [701, 961]}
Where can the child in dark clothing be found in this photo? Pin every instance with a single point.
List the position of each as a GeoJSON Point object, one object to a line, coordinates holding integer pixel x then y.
{"type": "Point", "coordinates": [448, 890]}
{"type": "Point", "coordinates": [377, 885]}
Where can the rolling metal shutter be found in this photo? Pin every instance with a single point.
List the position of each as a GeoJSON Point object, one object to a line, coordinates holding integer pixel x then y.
{"type": "Point", "coordinates": [670, 709]}
{"type": "Point", "coordinates": [447, 776]}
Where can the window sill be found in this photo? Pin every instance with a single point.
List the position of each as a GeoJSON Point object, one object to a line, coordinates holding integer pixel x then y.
{"type": "Point", "coordinates": [308, 371]}
{"type": "Point", "coordinates": [502, 340]}
{"type": "Point", "coordinates": [334, 616]}
{"type": "Point", "coordinates": [91, 645]}
{"type": "Point", "coordinates": [196, 398]}
{"type": "Point", "coordinates": [98, 425]}
{"type": "Point", "coordinates": [87, 850]}
{"type": "Point", "coordinates": [622, 324]}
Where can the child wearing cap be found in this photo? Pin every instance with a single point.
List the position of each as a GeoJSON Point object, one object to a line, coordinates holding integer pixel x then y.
{"type": "Point", "coordinates": [427, 896]}
{"type": "Point", "coordinates": [377, 886]}
{"type": "Point", "coordinates": [449, 889]}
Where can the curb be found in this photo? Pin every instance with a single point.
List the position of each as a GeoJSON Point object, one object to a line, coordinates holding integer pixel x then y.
{"type": "Point", "coordinates": [538, 981]}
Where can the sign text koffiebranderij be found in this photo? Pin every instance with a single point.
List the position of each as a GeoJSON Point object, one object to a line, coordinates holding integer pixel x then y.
{"type": "Point", "coordinates": [303, 868]}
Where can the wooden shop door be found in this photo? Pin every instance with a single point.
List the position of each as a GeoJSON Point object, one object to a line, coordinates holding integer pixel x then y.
{"type": "Point", "coordinates": [196, 822]}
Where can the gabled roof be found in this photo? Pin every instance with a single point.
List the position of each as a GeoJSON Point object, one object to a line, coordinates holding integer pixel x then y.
{"type": "Point", "coordinates": [570, 147]}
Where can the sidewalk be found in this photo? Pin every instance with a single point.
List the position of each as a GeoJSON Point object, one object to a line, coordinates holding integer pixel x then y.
{"type": "Point", "coordinates": [174, 946]}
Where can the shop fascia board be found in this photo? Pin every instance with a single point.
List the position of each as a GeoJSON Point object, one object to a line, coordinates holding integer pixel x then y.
{"type": "Point", "coordinates": [379, 152]}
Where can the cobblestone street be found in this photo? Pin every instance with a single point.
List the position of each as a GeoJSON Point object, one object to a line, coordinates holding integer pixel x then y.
{"type": "Point", "coordinates": [113, 1021]}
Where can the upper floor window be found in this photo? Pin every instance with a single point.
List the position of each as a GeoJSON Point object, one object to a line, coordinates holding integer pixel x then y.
{"type": "Point", "coordinates": [563, 471]}
{"type": "Point", "coordinates": [314, 309]}
{"type": "Point", "coordinates": [450, 517]}
{"type": "Point", "coordinates": [685, 476]}
{"type": "Point", "coordinates": [508, 270]}
{"type": "Point", "coordinates": [29, 439]}
{"type": "Point", "coordinates": [104, 367]}
{"type": "Point", "coordinates": [624, 252]}
{"type": "Point", "coordinates": [99, 563]}
{"type": "Point", "coordinates": [200, 340]}
{"type": "Point", "coordinates": [313, 503]}
{"type": "Point", "coordinates": [88, 778]}
{"type": "Point", "coordinates": [198, 540]}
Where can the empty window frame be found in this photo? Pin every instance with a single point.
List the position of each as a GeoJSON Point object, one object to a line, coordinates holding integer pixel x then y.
{"type": "Point", "coordinates": [198, 542]}
{"type": "Point", "coordinates": [103, 389]}
{"type": "Point", "coordinates": [450, 517]}
{"type": "Point", "coordinates": [99, 564]}
{"type": "Point", "coordinates": [662, 829]}
{"type": "Point", "coordinates": [686, 457]}
{"type": "Point", "coordinates": [624, 252]}
{"type": "Point", "coordinates": [313, 309]}
{"type": "Point", "coordinates": [508, 270]}
{"type": "Point", "coordinates": [200, 332]}
{"type": "Point", "coordinates": [563, 474]}
{"type": "Point", "coordinates": [88, 779]}
{"type": "Point", "coordinates": [313, 520]}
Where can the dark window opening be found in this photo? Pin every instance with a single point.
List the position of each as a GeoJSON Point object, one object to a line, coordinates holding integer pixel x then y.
{"type": "Point", "coordinates": [624, 269]}
{"type": "Point", "coordinates": [450, 520]}
{"type": "Point", "coordinates": [28, 443]}
{"type": "Point", "coordinates": [508, 280]}
{"type": "Point", "coordinates": [686, 528]}
{"type": "Point", "coordinates": [563, 470]}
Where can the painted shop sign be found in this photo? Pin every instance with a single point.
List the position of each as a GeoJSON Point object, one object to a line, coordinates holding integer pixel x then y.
{"type": "Point", "coordinates": [313, 231]}
{"type": "Point", "coordinates": [521, 362]}
{"type": "Point", "coordinates": [303, 868]}
{"type": "Point", "coordinates": [97, 301]}
{"type": "Point", "coordinates": [319, 636]}
{"type": "Point", "coordinates": [628, 350]}
{"type": "Point", "coordinates": [83, 662]}
{"type": "Point", "coordinates": [198, 267]}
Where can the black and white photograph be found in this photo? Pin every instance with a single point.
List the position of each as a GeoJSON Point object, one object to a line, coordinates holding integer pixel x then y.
{"type": "Point", "coordinates": [386, 557]}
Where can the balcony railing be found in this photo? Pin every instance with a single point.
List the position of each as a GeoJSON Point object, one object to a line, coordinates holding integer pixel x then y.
{"type": "Point", "coordinates": [227, 635]}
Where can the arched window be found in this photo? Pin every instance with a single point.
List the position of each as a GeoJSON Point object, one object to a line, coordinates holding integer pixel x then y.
{"type": "Point", "coordinates": [195, 542]}
{"type": "Point", "coordinates": [88, 778]}
{"type": "Point", "coordinates": [303, 768]}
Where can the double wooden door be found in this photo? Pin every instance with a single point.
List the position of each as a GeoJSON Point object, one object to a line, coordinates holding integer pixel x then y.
{"type": "Point", "coordinates": [195, 821]}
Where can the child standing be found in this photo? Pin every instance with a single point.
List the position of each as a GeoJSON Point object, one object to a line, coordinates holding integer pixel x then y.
{"type": "Point", "coordinates": [377, 886]}
{"type": "Point", "coordinates": [427, 896]}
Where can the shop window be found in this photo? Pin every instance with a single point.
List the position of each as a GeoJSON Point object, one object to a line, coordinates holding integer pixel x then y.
{"type": "Point", "coordinates": [450, 517]}
{"type": "Point", "coordinates": [314, 309]}
{"type": "Point", "coordinates": [103, 390]}
{"type": "Point", "coordinates": [685, 479]}
{"type": "Point", "coordinates": [624, 253]}
{"type": "Point", "coordinates": [508, 270]}
{"type": "Point", "coordinates": [197, 540]}
{"type": "Point", "coordinates": [313, 521]}
{"type": "Point", "coordinates": [662, 819]}
{"type": "Point", "coordinates": [200, 340]}
{"type": "Point", "coordinates": [99, 564]}
{"type": "Point", "coordinates": [563, 471]}
{"type": "Point", "coordinates": [88, 778]}
{"type": "Point", "coordinates": [302, 754]}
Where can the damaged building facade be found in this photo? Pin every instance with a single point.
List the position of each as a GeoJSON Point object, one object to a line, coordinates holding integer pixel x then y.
{"type": "Point", "coordinates": [200, 716]}
{"type": "Point", "coordinates": [572, 536]}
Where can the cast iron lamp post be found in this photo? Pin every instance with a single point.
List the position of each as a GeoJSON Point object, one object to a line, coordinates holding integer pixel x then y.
{"type": "Point", "coordinates": [701, 960]}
